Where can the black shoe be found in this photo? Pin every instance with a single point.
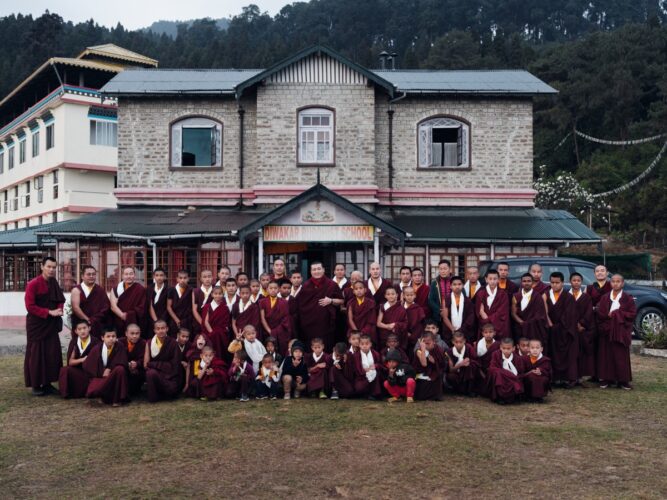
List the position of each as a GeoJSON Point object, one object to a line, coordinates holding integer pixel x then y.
{"type": "Point", "coordinates": [372, 398]}
{"type": "Point", "coordinates": [49, 389]}
{"type": "Point", "coordinates": [38, 392]}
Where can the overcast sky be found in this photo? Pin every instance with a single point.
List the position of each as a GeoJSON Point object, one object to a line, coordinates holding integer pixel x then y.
{"type": "Point", "coordinates": [135, 14]}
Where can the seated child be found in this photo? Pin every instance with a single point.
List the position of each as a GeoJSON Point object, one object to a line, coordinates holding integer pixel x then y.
{"type": "Point", "coordinates": [368, 370]}
{"type": "Point", "coordinates": [106, 367]}
{"type": "Point", "coordinates": [295, 371]}
{"type": "Point", "coordinates": [73, 381]}
{"type": "Point", "coordinates": [354, 338]}
{"type": "Point", "coordinates": [429, 363]}
{"type": "Point", "coordinates": [271, 345]}
{"type": "Point", "coordinates": [392, 344]}
{"type": "Point", "coordinates": [506, 374]}
{"type": "Point", "coordinates": [433, 328]}
{"type": "Point", "coordinates": [318, 363]}
{"type": "Point", "coordinates": [183, 343]}
{"type": "Point", "coordinates": [464, 373]}
{"type": "Point", "coordinates": [341, 372]}
{"type": "Point", "coordinates": [522, 347]}
{"type": "Point", "coordinates": [400, 378]}
{"type": "Point", "coordinates": [253, 347]}
{"type": "Point", "coordinates": [267, 383]}
{"type": "Point", "coordinates": [136, 350]}
{"type": "Point", "coordinates": [240, 377]}
{"type": "Point", "coordinates": [207, 376]}
{"type": "Point", "coordinates": [484, 349]}
{"type": "Point", "coordinates": [537, 378]}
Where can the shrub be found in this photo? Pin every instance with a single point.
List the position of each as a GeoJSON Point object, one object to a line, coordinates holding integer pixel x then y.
{"type": "Point", "coordinates": [656, 340]}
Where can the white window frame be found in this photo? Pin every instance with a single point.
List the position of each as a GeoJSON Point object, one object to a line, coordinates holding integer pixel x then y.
{"type": "Point", "coordinates": [35, 143]}
{"type": "Point", "coordinates": [11, 159]}
{"type": "Point", "coordinates": [176, 131]}
{"type": "Point", "coordinates": [104, 133]}
{"type": "Point", "coordinates": [38, 182]}
{"type": "Point", "coordinates": [50, 136]}
{"type": "Point", "coordinates": [310, 137]}
{"type": "Point", "coordinates": [425, 142]}
{"type": "Point", "coordinates": [22, 148]}
{"type": "Point", "coordinates": [2, 161]}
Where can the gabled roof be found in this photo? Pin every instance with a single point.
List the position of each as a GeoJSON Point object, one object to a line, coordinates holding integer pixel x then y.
{"type": "Point", "coordinates": [112, 51]}
{"type": "Point", "coordinates": [318, 191]}
{"type": "Point", "coordinates": [316, 49]}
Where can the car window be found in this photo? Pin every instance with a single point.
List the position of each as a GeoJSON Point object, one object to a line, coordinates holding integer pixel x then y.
{"type": "Point", "coordinates": [549, 268]}
{"type": "Point", "coordinates": [587, 272]}
{"type": "Point", "coordinates": [517, 269]}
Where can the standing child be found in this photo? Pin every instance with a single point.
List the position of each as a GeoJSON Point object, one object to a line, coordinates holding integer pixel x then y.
{"type": "Point", "coordinates": [253, 347]}
{"type": "Point", "coordinates": [529, 311]}
{"type": "Point", "coordinates": [184, 345]}
{"type": "Point", "coordinates": [216, 322]}
{"type": "Point", "coordinates": [506, 374]}
{"type": "Point", "coordinates": [492, 306]}
{"type": "Point", "coordinates": [136, 351]}
{"type": "Point", "coordinates": [245, 311]}
{"type": "Point", "coordinates": [231, 294]}
{"type": "Point", "coordinates": [267, 383]}
{"type": "Point", "coordinates": [341, 372]}
{"type": "Point", "coordinates": [464, 374]}
{"type": "Point", "coordinates": [361, 312]}
{"type": "Point", "coordinates": [458, 313]}
{"type": "Point", "coordinates": [400, 378]}
{"type": "Point", "coordinates": [318, 363]}
{"type": "Point", "coordinates": [275, 317]}
{"type": "Point", "coordinates": [157, 301]}
{"type": "Point", "coordinates": [564, 334]}
{"type": "Point", "coordinates": [200, 298]}
{"type": "Point", "coordinates": [537, 378]}
{"type": "Point", "coordinates": [392, 318]}
{"type": "Point", "coordinates": [73, 381]}
{"type": "Point", "coordinates": [179, 304]}
{"type": "Point", "coordinates": [429, 363]}
{"type": "Point", "coordinates": [369, 370]}
{"type": "Point", "coordinates": [207, 376]}
{"type": "Point", "coordinates": [255, 291]}
{"type": "Point", "coordinates": [416, 316]}
{"type": "Point", "coordinates": [271, 345]}
{"type": "Point", "coordinates": [105, 366]}
{"type": "Point", "coordinates": [585, 327]}
{"type": "Point", "coordinates": [241, 376]}
{"type": "Point", "coordinates": [295, 372]}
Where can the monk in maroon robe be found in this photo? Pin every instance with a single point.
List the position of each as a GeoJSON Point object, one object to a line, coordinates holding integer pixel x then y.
{"type": "Point", "coordinates": [539, 286]}
{"type": "Point", "coordinates": [216, 324]}
{"type": "Point", "coordinates": [341, 372]}
{"type": "Point", "coordinates": [128, 302]}
{"type": "Point", "coordinates": [200, 297]}
{"type": "Point", "coordinates": [429, 364]}
{"type": "Point", "coordinates": [90, 302]}
{"type": "Point", "coordinates": [376, 286]}
{"type": "Point", "coordinates": [504, 283]}
{"type": "Point", "coordinates": [529, 311]}
{"type": "Point", "coordinates": [369, 371]}
{"type": "Point", "coordinates": [275, 317]}
{"type": "Point", "coordinates": [44, 301]}
{"type": "Point", "coordinates": [318, 363]}
{"type": "Point", "coordinates": [179, 305]}
{"type": "Point", "coordinates": [362, 312]}
{"type": "Point", "coordinates": [162, 364]}
{"type": "Point", "coordinates": [208, 376]}
{"type": "Point", "coordinates": [601, 287]}
{"type": "Point", "coordinates": [615, 314]}
{"type": "Point", "coordinates": [464, 374]}
{"type": "Point", "coordinates": [484, 349]}
{"type": "Point", "coordinates": [316, 305]}
{"type": "Point", "coordinates": [563, 332]}
{"type": "Point", "coordinates": [422, 291]}
{"type": "Point", "coordinates": [492, 306]}
{"type": "Point", "coordinates": [106, 366]}
{"type": "Point", "coordinates": [585, 327]}
{"type": "Point", "coordinates": [73, 381]}
{"type": "Point", "coordinates": [245, 312]}
{"type": "Point", "coordinates": [537, 377]}
{"type": "Point", "coordinates": [415, 316]}
{"type": "Point", "coordinates": [506, 373]}
{"type": "Point", "coordinates": [156, 302]}
{"type": "Point", "coordinates": [135, 346]}
{"type": "Point", "coordinates": [460, 316]}
{"type": "Point", "coordinates": [392, 319]}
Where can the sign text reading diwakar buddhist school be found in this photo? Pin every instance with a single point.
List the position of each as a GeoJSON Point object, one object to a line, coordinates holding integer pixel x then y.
{"type": "Point", "coordinates": [317, 233]}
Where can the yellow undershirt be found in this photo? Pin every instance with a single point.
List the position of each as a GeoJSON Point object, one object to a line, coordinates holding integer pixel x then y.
{"type": "Point", "coordinates": [84, 343]}
{"type": "Point", "coordinates": [360, 300]}
{"type": "Point", "coordinates": [273, 301]}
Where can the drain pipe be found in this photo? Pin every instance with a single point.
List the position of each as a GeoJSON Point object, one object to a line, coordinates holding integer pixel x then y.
{"type": "Point", "coordinates": [241, 112]}
{"type": "Point", "coordinates": [153, 245]}
{"type": "Point", "coordinates": [390, 147]}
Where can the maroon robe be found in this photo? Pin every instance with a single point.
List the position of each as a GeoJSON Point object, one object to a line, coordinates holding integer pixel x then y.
{"type": "Point", "coordinates": [395, 314]}
{"type": "Point", "coordinates": [160, 308]}
{"type": "Point", "coordinates": [469, 323]}
{"type": "Point", "coordinates": [485, 360]}
{"type": "Point", "coordinates": [362, 387]}
{"type": "Point", "coordinates": [198, 297]}
{"type": "Point", "coordinates": [596, 293]}
{"type": "Point", "coordinates": [318, 378]}
{"type": "Point", "coordinates": [364, 317]}
{"type": "Point", "coordinates": [137, 377]}
{"type": "Point", "coordinates": [586, 319]}
{"type": "Point", "coordinates": [510, 289]}
{"type": "Point", "coordinates": [541, 288]}
{"type": "Point", "coordinates": [73, 381]}
{"type": "Point", "coordinates": [112, 388]}
{"type": "Point", "coordinates": [249, 316]}
{"type": "Point", "coordinates": [415, 327]}
{"type": "Point", "coordinates": [534, 316]}
{"type": "Point", "coordinates": [209, 386]}
{"type": "Point", "coordinates": [615, 338]}
{"type": "Point", "coordinates": [499, 313]}
{"type": "Point", "coordinates": [341, 313]}
{"type": "Point", "coordinates": [182, 307]}
{"type": "Point", "coordinates": [421, 298]}
{"type": "Point", "coordinates": [378, 296]}
{"type": "Point", "coordinates": [133, 303]}
{"type": "Point", "coordinates": [537, 386]}
{"type": "Point", "coordinates": [504, 385]}
{"type": "Point", "coordinates": [43, 355]}
{"type": "Point", "coordinates": [430, 389]}
{"type": "Point", "coordinates": [163, 373]}
{"type": "Point", "coordinates": [278, 319]}
{"type": "Point", "coordinates": [315, 320]}
{"type": "Point", "coordinates": [96, 306]}
{"type": "Point", "coordinates": [466, 379]}
{"type": "Point", "coordinates": [220, 321]}
{"type": "Point", "coordinates": [341, 376]}
{"type": "Point", "coordinates": [564, 337]}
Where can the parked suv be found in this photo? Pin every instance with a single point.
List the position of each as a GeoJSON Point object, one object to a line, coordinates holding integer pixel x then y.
{"type": "Point", "coordinates": [651, 303]}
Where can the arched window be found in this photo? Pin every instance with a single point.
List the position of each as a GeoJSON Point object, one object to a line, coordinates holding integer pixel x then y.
{"type": "Point", "coordinates": [443, 143]}
{"type": "Point", "coordinates": [316, 136]}
{"type": "Point", "coordinates": [196, 142]}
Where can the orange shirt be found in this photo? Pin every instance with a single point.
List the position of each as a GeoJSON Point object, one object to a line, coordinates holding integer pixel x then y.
{"type": "Point", "coordinates": [273, 301]}
{"type": "Point", "coordinates": [473, 288]}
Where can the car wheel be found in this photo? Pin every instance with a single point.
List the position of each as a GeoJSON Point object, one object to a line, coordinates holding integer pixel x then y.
{"type": "Point", "coordinates": [649, 319]}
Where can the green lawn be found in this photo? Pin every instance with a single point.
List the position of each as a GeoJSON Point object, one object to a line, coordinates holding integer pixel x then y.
{"type": "Point", "coordinates": [583, 443]}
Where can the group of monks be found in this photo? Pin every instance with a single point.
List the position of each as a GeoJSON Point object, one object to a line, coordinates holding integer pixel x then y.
{"type": "Point", "coordinates": [339, 337]}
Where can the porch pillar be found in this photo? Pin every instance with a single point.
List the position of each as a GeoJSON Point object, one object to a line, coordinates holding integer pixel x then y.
{"type": "Point", "coordinates": [376, 247]}
{"type": "Point", "coordinates": [260, 252]}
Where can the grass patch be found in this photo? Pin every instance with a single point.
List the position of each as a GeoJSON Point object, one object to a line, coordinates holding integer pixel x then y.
{"type": "Point", "coordinates": [585, 443]}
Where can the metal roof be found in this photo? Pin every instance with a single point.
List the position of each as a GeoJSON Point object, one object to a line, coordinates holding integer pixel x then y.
{"type": "Point", "coordinates": [227, 81]}
{"type": "Point", "coordinates": [113, 51]}
{"type": "Point", "coordinates": [492, 225]}
{"type": "Point", "coordinates": [466, 82]}
{"type": "Point", "coordinates": [160, 223]}
{"type": "Point", "coordinates": [25, 237]}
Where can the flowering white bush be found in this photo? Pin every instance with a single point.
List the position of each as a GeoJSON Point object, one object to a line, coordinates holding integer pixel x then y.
{"type": "Point", "coordinates": [564, 191]}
